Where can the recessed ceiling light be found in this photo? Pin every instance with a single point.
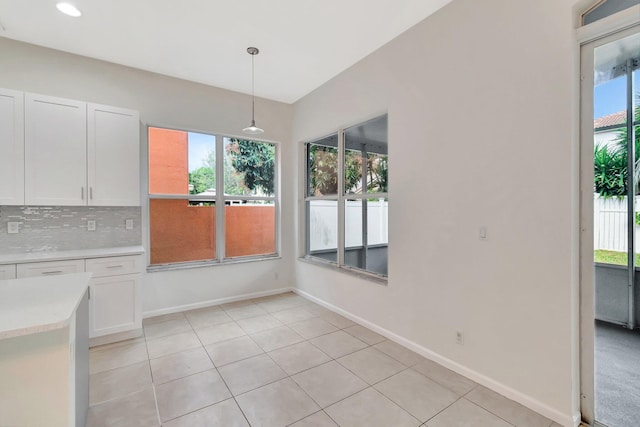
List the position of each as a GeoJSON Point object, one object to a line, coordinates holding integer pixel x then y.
{"type": "Point", "coordinates": [69, 9]}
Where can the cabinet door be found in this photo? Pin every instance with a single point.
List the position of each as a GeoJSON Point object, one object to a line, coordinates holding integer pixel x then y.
{"type": "Point", "coordinates": [113, 145]}
{"type": "Point", "coordinates": [11, 147]}
{"type": "Point", "coordinates": [50, 268]}
{"type": "Point", "coordinates": [55, 151]}
{"type": "Point", "coordinates": [7, 271]}
{"type": "Point", "coordinates": [114, 305]}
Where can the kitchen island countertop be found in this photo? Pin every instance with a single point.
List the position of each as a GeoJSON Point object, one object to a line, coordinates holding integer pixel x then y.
{"type": "Point", "coordinates": [39, 304]}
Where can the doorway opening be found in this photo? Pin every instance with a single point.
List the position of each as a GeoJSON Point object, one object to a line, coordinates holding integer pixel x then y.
{"type": "Point", "coordinates": [611, 293]}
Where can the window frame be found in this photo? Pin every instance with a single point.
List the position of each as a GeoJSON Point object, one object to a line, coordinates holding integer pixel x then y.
{"type": "Point", "coordinates": [341, 197]}
{"type": "Point", "coordinates": [220, 221]}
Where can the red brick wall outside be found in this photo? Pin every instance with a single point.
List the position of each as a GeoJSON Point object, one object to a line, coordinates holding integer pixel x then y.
{"type": "Point", "coordinates": [180, 232]}
{"type": "Point", "coordinates": [168, 161]}
{"type": "Point", "coordinates": [250, 230]}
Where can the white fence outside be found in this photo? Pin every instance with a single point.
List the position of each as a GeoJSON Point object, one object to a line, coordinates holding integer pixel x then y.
{"type": "Point", "coordinates": [610, 224]}
{"type": "Point", "coordinates": [323, 221]}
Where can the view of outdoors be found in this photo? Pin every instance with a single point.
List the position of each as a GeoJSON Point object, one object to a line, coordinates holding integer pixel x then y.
{"type": "Point", "coordinates": [610, 169]}
{"type": "Point", "coordinates": [616, 226]}
{"type": "Point", "coordinates": [364, 198]}
{"type": "Point", "coordinates": [183, 199]}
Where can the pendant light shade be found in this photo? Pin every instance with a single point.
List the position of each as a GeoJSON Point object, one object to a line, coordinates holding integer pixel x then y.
{"type": "Point", "coordinates": [253, 129]}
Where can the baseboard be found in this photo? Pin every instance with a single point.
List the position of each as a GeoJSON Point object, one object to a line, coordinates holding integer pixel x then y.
{"type": "Point", "coordinates": [120, 336]}
{"type": "Point", "coordinates": [209, 303]}
{"type": "Point", "coordinates": [523, 399]}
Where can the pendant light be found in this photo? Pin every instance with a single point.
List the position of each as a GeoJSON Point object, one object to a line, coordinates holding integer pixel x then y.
{"type": "Point", "coordinates": [253, 129]}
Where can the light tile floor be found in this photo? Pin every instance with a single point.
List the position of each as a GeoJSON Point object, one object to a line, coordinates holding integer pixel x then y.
{"type": "Point", "coordinates": [281, 361]}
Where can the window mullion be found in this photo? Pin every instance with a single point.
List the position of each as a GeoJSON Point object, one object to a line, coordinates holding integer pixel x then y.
{"type": "Point", "coordinates": [220, 202]}
{"type": "Point", "coordinates": [307, 202]}
{"type": "Point", "coordinates": [341, 197]}
{"type": "Point", "coordinates": [365, 189]}
{"type": "Point", "coordinates": [276, 199]}
{"type": "Point", "coordinates": [631, 187]}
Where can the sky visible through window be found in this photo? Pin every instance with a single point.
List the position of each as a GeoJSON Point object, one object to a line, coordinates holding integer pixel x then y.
{"type": "Point", "coordinates": [611, 97]}
{"type": "Point", "coordinates": [200, 145]}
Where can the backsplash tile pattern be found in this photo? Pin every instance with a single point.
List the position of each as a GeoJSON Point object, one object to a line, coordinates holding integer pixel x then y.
{"type": "Point", "coordinates": [61, 228]}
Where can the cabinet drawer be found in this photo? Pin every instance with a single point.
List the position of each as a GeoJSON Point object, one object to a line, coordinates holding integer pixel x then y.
{"type": "Point", "coordinates": [50, 268]}
{"type": "Point", "coordinates": [7, 271]}
{"type": "Point", "coordinates": [114, 266]}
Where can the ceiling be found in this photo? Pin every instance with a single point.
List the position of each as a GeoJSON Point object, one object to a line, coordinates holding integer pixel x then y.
{"type": "Point", "coordinates": [303, 43]}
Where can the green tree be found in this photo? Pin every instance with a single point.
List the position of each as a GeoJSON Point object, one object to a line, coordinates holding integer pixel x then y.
{"type": "Point", "coordinates": [253, 166]}
{"type": "Point", "coordinates": [323, 170]}
{"type": "Point", "coordinates": [202, 179]}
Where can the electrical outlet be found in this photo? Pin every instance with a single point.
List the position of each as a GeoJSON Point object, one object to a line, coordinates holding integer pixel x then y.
{"type": "Point", "coordinates": [128, 224]}
{"type": "Point", "coordinates": [460, 337]}
{"type": "Point", "coordinates": [13, 227]}
{"type": "Point", "coordinates": [91, 225]}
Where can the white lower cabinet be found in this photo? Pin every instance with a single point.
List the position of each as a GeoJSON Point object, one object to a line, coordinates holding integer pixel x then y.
{"type": "Point", "coordinates": [115, 295]}
{"type": "Point", "coordinates": [7, 271]}
{"type": "Point", "coordinates": [115, 303]}
{"type": "Point", "coordinates": [113, 306]}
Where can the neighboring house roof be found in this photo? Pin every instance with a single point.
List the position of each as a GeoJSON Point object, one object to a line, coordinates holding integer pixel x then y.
{"type": "Point", "coordinates": [614, 119]}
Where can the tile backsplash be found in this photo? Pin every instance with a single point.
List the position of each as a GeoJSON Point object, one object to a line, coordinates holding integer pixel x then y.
{"type": "Point", "coordinates": [61, 228]}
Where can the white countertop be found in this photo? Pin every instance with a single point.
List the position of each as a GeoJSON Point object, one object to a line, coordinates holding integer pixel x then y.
{"type": "Point", "coordinates": [76, 254]}
{"type": "Point", "coordinates": [39, 304]}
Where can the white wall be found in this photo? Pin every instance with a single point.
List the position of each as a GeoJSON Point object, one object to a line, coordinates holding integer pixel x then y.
{"type": "Point", "coordinates": [481, 99]}
{"type": "Point", "coordinates": [605, 138]}
{"type": "Point", "coordinates": [170, 102]}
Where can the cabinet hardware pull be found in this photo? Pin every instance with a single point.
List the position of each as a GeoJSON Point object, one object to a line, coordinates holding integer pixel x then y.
{"type": "Point", "coordinates": [82, 192]}
{"type": "Point", "coordinates": [114, 266]}
{"type": "Point", "coordinates": [52, 272]}
{"type": "Point", "coordinates": [91, 193]}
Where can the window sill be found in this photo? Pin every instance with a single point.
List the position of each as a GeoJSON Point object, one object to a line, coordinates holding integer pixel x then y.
{"type": "Point", "coordinates": [201, 264]}
{"type": "Point", "coordinates": [370, 277]}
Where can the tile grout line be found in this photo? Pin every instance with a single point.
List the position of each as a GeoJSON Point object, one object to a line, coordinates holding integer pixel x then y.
{"type": "Point", "coordinates": [153, 385]}
{"type": "Point", "coordinates": [485, 409]}
{"type": "Point", "coordinates": [276, 363]}
{"type": "Point", "coordinates": [287, 375]}
{"type": "Point", "coordinates": [427, 376]}
{"type": "Point", "coordinates": [290, 376]}
{"type": "Point", "coordinates": [304, 418]}
{"type": "Point", "coordinates": [510, 401]}
{"type": "Point", "coordinates": [223, 381]}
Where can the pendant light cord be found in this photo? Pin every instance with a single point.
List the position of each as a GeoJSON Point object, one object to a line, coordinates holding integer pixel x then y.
{"type": "Point", "coordinates": [253, 93]}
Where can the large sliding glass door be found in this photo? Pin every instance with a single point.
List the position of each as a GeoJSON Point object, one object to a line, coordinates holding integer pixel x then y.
{"type": "Point", "coordinates": [610, 344]}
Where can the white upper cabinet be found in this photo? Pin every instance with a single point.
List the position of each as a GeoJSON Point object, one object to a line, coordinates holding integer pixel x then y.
{"type": "Point", "coordinates": [11, 147]}
{"type": "Point", "coordinates": [113, 148]}
{"type": "Point", "coordinates": [55, 151]}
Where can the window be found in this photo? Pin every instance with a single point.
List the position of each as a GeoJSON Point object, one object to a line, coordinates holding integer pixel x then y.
{"type": "Point", "coordinates": [190, 174]}
{"type": "Point", "coordinates": [603, 8]}
{"type": "Point", "coordinates": [346, 197]}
